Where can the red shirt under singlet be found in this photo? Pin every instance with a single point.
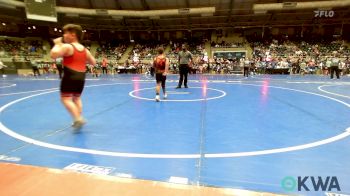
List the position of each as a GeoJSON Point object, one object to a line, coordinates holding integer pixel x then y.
{"type": "Point", "coordinates": [160, 63]}
{"type": "Point", "coordinates": [77, 61]}
{"type": "Point", "coordinates": [104, 62]}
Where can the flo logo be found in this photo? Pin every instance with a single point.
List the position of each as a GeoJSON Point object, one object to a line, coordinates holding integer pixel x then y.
{"type": "Point", "coordinates": [310, 183]}
{"type": "Point", "coordinates": [324, 13]}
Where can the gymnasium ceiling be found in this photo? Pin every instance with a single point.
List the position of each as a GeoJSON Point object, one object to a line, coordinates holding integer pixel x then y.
{"type": "Point", "coordinates": [228, 14]}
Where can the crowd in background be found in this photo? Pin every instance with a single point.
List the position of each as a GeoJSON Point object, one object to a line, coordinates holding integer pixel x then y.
{"type": "Point", "coordinates": [145, 51]}
{"type": "Point", "coordinates": [18, 49]}
{"type": "Point", "coordinates": [301, 56]}
{"type": "Point", "coordinates": [111, 50]}
{"type": "Point", "coordinates": [296, 57]}
{"type": "Point", "coordinates": [224, 44]}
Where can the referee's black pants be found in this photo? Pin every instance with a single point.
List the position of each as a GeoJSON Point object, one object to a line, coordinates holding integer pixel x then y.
{"type": "Point", "coordinates": [183, 75]}
{"type": "Point", "coordinates": [246, 71]}
{"type": "Point", "coordinates": [334, 69]}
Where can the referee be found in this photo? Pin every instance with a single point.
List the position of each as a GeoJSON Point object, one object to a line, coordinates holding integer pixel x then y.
{"type": "Point", "coordinates": [246, 68]}
{"type": "Point", "coordinates": [59, 67]}
{"type": "Point", "coordinates": [185, 58]}
{"type": "Point", "coordinates": [335, 66]}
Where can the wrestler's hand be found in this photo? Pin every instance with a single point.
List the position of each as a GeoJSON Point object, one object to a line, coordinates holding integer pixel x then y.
{"type": "Point", "coordinates": [58, 41]}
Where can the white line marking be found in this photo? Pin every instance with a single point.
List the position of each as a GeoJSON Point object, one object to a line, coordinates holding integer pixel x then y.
{"type": "Point", "coordinates": [13, 134]}
{"type": "Point", "coordinates": [50, 89]}
{"type": "Point", "coordinates": [143, 80]}
{"type": "Point", "coordinates": [340, 95]}
{"type": "Point", "coordinates": [178, 100]}
{"type": "Point", "coordinates": [178, 180]}
{"type": "Point", "coordinates": [8, 158]}
{"type": "Point", "coordinates": [198, 81]}
{"type": "Point", "coordinates": [218, 81]}
{"type": "Point", "coordinates": [311, 82]}
{"type": "Point", "coordinates": [36, 79]}
{"type": "Point", "coordinates": [301, 91]}
{"type": "Point", "coordinates": [123, 175]}
{"type": "Point", "coordinates": [177, 93]}
{"type": "Point", "coordinates": [8, 86]}
{"type": "Point", "coordinates": [81, 150]}
{"type": "Point", "coordinates": [48, 79]}
{"type": "Point", "coordinates": [317, 82]}
{"type": "Point", "coordinates": [24, 92]}
{"type": "Point", "coordinates": [280, 150]}
{"type": "Point", "coordinates": [266, 78]}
